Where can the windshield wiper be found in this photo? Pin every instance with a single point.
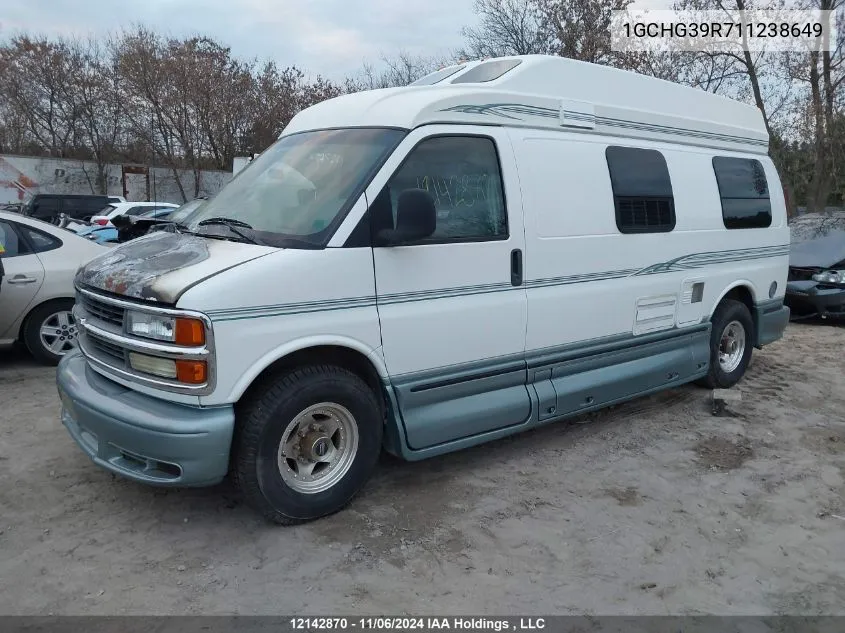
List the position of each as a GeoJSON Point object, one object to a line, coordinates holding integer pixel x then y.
{"type": "Point", "coordinates": [234, 226]}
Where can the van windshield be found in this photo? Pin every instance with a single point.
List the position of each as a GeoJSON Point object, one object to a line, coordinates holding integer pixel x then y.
{"type": "Point", "coordinates": [300, 187]}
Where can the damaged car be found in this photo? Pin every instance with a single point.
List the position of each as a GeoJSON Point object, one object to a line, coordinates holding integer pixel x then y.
{"type": "Point", "coordinates": [816, 282]}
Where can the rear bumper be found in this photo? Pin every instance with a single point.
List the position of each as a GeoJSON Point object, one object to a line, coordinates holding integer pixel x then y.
{"type": "Point", "coordinates": [143, 438]}
{"type": "Point", "coordinates": [771, 321]}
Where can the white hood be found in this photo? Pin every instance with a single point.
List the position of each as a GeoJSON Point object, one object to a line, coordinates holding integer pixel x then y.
{"type": "Point", "coordinates": [161, 266]}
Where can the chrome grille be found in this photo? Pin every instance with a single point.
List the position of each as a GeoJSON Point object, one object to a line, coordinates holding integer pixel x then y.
{"type": "Point", "coordinates": [106, 350]}
{"type": "Point", "coordinates": [103, 311]}
{"type": "Point", "coordinates": [107, 347]}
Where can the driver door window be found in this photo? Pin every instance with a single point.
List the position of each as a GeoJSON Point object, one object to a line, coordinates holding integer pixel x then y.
{"type": "Point", "coordinates": [462, 175]}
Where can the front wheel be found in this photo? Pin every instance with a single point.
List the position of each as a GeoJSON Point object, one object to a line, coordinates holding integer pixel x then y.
{"type": "Point", "coordinates": [306, 442]}
{"type": "Point", "coordinates": [731, 342]}
{"type": "Point", "coordinates": [51, 331]}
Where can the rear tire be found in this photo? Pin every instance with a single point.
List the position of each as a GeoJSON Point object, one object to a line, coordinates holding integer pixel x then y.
{"type": "Point", "coordinates": [305, 443]}
{"type": "Point", "coordinates": [731, 343]}
{"type": "Point", "coordinates": [50, 331]}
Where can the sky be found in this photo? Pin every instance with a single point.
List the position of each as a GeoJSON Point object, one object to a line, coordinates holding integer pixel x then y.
{"type": "Point", "coordinates": [332, 38]}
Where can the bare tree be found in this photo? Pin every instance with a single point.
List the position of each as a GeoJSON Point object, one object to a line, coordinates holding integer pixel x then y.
{"type": "Point", "coordinates": [277, 95]}
{"type": "Point", "coordinates": [36, 83]}
{"type": "Point", "coordinates": [580, 29]}
{"type": "Point", "coordinates": [507, 27]}
{"type": "Point", "coordinates": [96, 95]}
{"type": "Point", "coordinates": [822, 72]}
{"type": "Point", "coordinates": [400, 69]}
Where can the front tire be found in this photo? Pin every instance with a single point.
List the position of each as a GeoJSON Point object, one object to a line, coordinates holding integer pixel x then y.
{"type": "Point", "coordinates": [731, 343]}
{"type": "Point", "coordinates": [306, 442]}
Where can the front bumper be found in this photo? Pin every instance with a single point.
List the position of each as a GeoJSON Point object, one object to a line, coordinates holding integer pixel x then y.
{"type": "Point", "coordinates": [807, 298]}
{"type": "Point", "coordinates": [143, 438]}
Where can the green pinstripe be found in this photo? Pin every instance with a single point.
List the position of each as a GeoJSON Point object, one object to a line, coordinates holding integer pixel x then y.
{"type": "Point", "coordinates": [686, 262]}
{"type": "Point", "coordinates": [511, 110]}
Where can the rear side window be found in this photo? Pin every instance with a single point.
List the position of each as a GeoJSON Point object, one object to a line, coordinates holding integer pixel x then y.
{"type": "Point", "coordinates": [642, 190]}
{"type": "Point", "coordinates": [10, 245]}
{"type": "Point", "coordinates": [40, 240]}
{"type": "Point", "coordinates": [744, 192]}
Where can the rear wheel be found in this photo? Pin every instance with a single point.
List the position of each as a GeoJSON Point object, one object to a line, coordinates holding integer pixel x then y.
{"type": "Point", "coordinates": [51, 331]}
{"type": "Point", "coordinates": [307, 441]}
{"type": "Point", "coordinates": [731, 342]}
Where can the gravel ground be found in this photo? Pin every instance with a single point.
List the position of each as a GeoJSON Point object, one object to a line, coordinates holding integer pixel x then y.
{"type": "Point", "coordinates": [657, 507]}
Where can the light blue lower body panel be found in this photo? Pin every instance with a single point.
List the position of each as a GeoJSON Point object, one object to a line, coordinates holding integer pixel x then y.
{"type": "Point", "coordinates": [560, 383]}
{"type": "Point", "coordinates": [642, 367]}
{"type": "Point", "coordinates": [140, 437]}
{"type": "Point", "coordinates": [445, 406]}
{"type": "Point", "coordinates": [770, 321]}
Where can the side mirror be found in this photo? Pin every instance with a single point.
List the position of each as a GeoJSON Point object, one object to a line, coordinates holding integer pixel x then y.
{"type": "Point", "coordinates": [416, 219]}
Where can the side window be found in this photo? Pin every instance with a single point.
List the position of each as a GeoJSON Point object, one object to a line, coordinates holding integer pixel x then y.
{"type": "Point", "coordinates": [39, 240]}
{"type": "Point", "coordinates": [462, 174]}
{"type": "Point", "coordinates": [744, 192]}
{"type": "Point", "coordinates": [138, 210]}
{"type": "Point", "coordinates": [642, 190]}
{"type": "Point", "coordinates": [10, 244]}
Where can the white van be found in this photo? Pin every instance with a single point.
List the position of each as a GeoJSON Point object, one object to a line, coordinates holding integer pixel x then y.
{"type": "Point", "coordinates": [502, 245]}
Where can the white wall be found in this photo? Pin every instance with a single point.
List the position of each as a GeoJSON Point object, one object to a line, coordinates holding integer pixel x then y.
{"type": "Point", "coordinates": [21, 175]}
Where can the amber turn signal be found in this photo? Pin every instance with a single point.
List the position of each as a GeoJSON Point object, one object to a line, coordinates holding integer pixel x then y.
{"type": "Point", "coordinates": [189, 332]}
{"type": "Point", "coordinates": [192, 372]}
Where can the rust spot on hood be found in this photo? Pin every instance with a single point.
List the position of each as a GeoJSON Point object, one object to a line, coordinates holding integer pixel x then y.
{"type": "Point", "coordinates": [136, 269]}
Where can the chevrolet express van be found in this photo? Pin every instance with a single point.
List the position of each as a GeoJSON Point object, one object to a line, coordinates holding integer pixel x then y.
{"type": "Point", "coordinates": [501, 245]}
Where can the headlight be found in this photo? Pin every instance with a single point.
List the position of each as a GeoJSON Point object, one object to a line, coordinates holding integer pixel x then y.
{"type": "Point", "coordinates": [179, 330]}
{"type": "Point", "coordinates": [830, 277]}
{"type": "Point", "coordinates": [91, 236]}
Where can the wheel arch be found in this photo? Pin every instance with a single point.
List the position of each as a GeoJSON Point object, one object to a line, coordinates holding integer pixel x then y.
{"type": "Point", "coordinates": [344, 352]}
{"type": "Point", "coordinates": [742, 291]}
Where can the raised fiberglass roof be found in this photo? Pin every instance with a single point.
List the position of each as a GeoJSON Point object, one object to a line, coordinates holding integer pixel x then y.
{"type": "Point", "coordinates": [550, 92]}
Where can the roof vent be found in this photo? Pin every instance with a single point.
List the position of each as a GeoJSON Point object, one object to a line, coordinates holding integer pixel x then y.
{"type": "Point", "coordinates": [488, 71]}
{"type": "Point", "coordinates": [437, 76]}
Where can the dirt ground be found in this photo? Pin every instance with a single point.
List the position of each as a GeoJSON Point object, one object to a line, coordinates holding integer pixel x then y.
{"type": "Point", "coordinates": [654, 507]}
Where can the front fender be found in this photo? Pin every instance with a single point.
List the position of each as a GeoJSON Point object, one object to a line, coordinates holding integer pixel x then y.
{"type": "Point", "coordinates": [277, 353]}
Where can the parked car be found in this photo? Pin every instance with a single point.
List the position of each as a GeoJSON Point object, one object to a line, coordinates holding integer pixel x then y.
{"type": "Point", "coordinates": [37, 294]}
{"type": "Point", "coordinates": [98, 234]}
{"type": "Point", "coordinates": [131, 227]}
{"type": "Point", "coordinates": [816, 283]}
{"type": "Point", "coordinates": [129, 209]}
{"type": "Point", "coordinates": [424, 269]}
{"type": "Point", "coordinates": [49, 206]}
{"type": "Point", "coordinates": [110, 233]}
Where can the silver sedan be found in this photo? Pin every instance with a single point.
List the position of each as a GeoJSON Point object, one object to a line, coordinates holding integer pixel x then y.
{"type": "Point", "coordinates": [38, 262]}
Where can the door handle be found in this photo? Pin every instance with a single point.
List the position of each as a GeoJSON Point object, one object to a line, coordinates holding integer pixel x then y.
{"type": "Point", "coordinates": [516, 267]}
{"type": "Point", "coordinates": [22, 279]}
